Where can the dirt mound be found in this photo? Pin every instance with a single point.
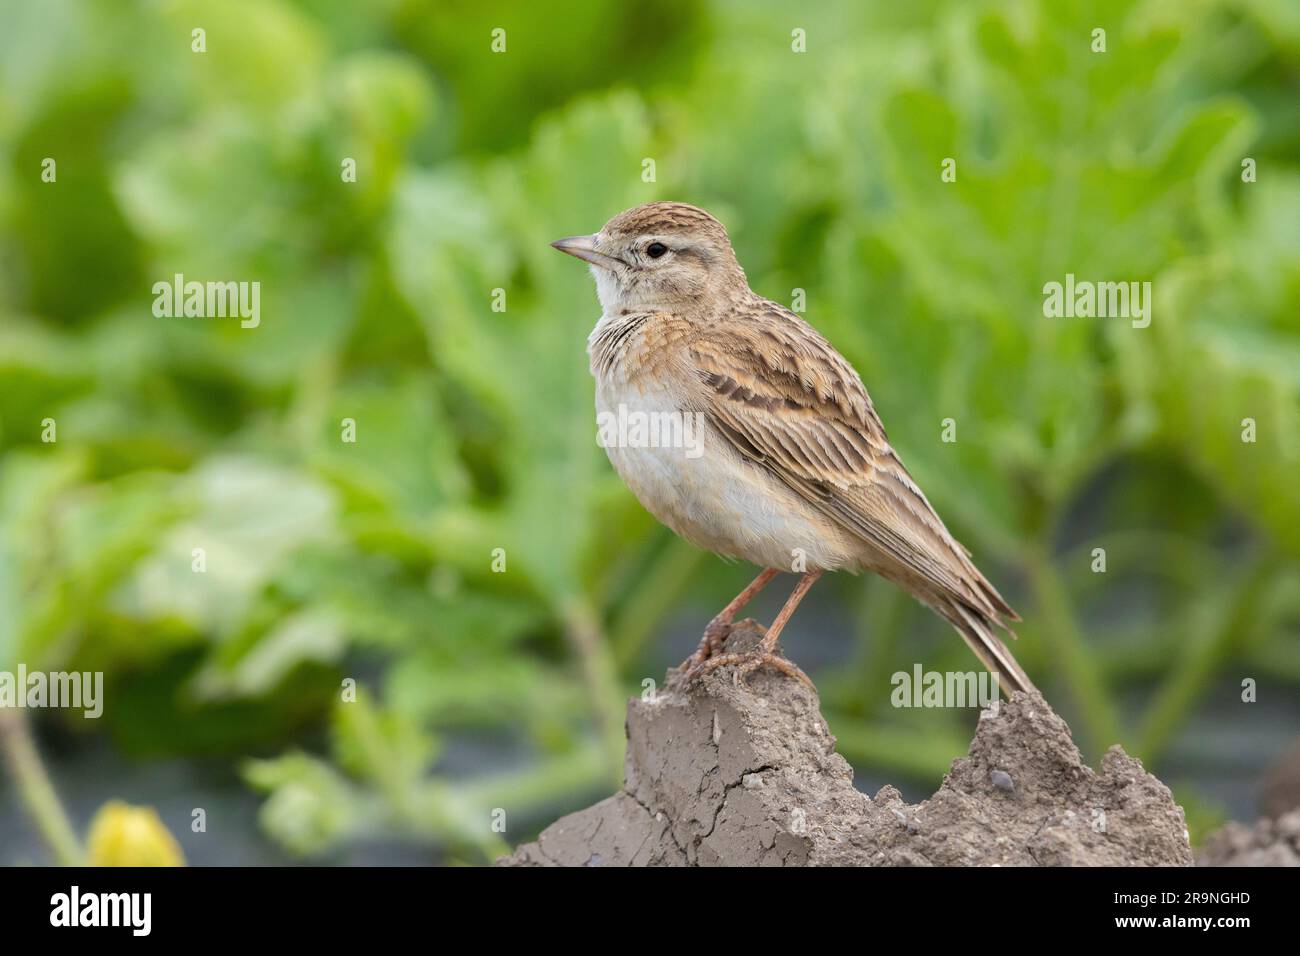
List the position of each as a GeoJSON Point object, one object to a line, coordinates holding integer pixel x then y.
{"type": "Point", "coordinates": [1267, 843]}
{"type": "Point", "coordinates": [727, 774]}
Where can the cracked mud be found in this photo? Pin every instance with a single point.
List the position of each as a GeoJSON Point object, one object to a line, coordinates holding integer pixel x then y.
{"type": "Point", "coordinates": [735, 775]}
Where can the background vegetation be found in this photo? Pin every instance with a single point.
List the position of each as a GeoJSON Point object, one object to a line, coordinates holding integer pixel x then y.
{"type": "Point", "coordinates": [475, 428]}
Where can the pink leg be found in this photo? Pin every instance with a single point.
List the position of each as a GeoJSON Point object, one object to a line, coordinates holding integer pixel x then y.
{"type": "Point", "coordinates": [720, 626]}
{"type": "Point", "coordinates": [765, 654]}
{"type": "Point", "coordinates": [803, 587]}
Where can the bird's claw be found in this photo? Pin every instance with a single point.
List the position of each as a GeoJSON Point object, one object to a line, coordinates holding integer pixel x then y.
{"type": "Point", "coordinates": [710, 644]}
{"type": "Point", "coordinates": [746, 664]}
{"type": "Point", "coordinates": [714, 635]}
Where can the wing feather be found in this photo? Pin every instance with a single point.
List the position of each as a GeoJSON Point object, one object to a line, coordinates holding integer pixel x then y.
{"type": "Point", "coordinates": [785, 398]}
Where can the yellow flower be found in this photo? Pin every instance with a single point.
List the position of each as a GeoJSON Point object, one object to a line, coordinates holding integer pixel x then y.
{"type": "Point", "coordinates": [122, 835]}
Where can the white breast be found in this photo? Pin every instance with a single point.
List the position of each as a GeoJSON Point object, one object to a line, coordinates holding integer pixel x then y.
{"type": "Point", "coordinates": [692, 480]}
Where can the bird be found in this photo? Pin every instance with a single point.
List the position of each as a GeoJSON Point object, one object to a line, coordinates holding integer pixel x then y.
{"type": "Point", "coordinates": [793, 470]}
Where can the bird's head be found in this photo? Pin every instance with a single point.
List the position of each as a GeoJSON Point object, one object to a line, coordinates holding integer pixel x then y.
{"type": "Point", "coordinates": [660, 256]}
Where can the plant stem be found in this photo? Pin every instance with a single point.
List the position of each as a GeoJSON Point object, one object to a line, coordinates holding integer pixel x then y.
{"type": "Point", "coordinates": [590, 646]}
{"type": "Point", "coordinates": [656, 590]}
{"type": "Point", "coordinates": [1061, 632]}
{"type": "Point", "coordinates": [36, 790]}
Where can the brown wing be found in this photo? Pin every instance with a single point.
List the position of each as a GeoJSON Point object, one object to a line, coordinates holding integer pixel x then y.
{"type": "Point", "coordinates": [784, 397]}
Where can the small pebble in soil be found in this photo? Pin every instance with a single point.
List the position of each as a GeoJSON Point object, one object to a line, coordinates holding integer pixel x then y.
{"type": "Point", "coordinates": [1002, 780]}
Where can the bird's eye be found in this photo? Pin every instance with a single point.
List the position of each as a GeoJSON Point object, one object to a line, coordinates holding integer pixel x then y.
{"type": "Point", "coordinates": [655, 250]}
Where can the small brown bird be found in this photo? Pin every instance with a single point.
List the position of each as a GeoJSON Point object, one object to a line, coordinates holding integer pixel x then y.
{"type": "Point", "coordinates": [792, 470]}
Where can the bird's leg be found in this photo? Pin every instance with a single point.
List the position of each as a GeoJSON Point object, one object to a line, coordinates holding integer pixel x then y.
{"type": "Point", "coordinates": [749, 662]}
{"type": "Point", "coordinates": [720, 626]}
{"type": "Point", "coordinates": [800, 589]}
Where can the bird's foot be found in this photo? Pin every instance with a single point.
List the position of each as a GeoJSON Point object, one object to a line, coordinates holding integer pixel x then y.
{"type": "Point", "coordinates": [715, 635]}
{"type": "Point", "coordinates": [746, 663]}
{"type": "Point", "coordinates": [710, 644]}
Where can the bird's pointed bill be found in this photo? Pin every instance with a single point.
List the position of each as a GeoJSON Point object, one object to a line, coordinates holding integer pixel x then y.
{"type": "Point", "coordinates": [584, 247]}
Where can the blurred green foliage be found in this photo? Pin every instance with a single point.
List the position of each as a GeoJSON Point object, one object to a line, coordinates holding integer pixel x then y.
{"type": "Point", "coordinates": [475, 427]}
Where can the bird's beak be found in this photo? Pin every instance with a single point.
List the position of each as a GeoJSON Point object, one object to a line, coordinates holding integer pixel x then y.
{"type": "Point", "coordinates": [584, 247]}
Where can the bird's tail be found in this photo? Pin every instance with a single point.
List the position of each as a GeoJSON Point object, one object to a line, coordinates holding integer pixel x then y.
{"type": "Point", "coordinates": [976, 629]}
